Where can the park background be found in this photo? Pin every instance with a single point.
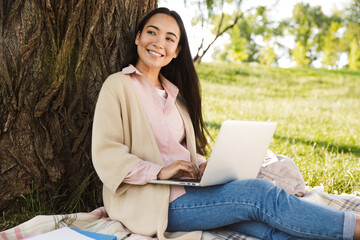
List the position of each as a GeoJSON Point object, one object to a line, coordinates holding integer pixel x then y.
{"type": "Point", "coordinates": [300, 69]}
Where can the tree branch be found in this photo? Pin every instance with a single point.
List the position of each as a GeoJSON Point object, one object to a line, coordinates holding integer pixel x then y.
{"type": "Point", "coordinates": [239, 14]}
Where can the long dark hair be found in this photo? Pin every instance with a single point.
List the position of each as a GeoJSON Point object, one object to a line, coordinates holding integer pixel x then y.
{"type": "Point", "coordinates": [181, 72]}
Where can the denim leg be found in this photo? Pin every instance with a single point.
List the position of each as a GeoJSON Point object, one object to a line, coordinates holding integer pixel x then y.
{"type": "Point", "coordinates": [260, 230]}
{"type": "Point", "coordinates": [254, 200]}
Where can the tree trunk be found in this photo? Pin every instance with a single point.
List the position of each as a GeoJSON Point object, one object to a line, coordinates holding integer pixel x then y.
{"type": "Point", "coordinates": [55, 55]}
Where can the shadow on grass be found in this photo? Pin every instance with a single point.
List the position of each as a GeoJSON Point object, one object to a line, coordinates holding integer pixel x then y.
{"type": "Point", "coordinates": [329, 146]}
{"type": "Point", "coordinates": [321, 71]}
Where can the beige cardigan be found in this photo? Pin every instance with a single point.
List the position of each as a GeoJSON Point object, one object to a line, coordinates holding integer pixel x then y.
{"type": "Point", "coordinates": [121, 137]}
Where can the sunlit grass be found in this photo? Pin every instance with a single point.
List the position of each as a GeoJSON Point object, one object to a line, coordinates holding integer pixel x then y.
{"type": "Point", "coordinates": [317, 111]}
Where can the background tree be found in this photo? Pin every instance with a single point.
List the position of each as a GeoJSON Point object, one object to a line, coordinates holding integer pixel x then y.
{"type": "Point", "coordinates": [267, 55]}
{"type": "Point", "coordinates": [299, 55]}
{"type": "Point", "coordinates": [237, 49]}
{"type": "Point", "coordinates": [242, 46]}
{"type": "Point", "coordinates": [315, 33]}
{"type": "Point", "coordinates": [354, 55]}
{"type": "Point", "coordinates": [218, 23]}
{"type": "Point", "coordinates": [54, 57]}
{"type": "Point", "coordinates": [352, 35]}
{"type": "Point", "coordinates": [332, 46]}
{"type": "Point", "coordinates": [256, 37]}
{"type": "Point", "coordinates": [268, 32]}
{"type": "Point", "coordinates": [254, 25]}
{"type": "Point", "coordinates": [304, 21]}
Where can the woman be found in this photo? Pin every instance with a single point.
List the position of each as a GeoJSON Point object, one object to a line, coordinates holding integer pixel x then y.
{"type": "Point", "coordinates": [148, 124]}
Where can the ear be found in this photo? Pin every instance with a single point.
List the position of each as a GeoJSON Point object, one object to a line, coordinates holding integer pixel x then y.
{"type": "Point", "coordinates": [178, 50]}
{"type": "Point", "coordinates": [137, 38]}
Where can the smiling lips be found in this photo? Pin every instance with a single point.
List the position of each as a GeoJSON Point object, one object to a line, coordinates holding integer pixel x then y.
{"type": "Point", "coordinates": [155, 53]}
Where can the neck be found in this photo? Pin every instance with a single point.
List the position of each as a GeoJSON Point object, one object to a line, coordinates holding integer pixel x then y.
{"type": "Point", "coordinates": [152, 74]}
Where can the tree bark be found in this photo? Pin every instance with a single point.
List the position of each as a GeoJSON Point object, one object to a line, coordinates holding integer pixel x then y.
{"type": "Point", "coordinates": [55, 55]}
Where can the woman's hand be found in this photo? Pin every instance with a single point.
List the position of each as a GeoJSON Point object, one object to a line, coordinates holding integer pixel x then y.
{"type": "Point", "coordinates": [202, 168]}
{"type": "Point", "coordinates": [179, 169]}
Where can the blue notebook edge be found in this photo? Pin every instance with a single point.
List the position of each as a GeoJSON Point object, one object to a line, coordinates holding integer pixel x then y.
{"type": "Point", "coordinates": [97, 236]}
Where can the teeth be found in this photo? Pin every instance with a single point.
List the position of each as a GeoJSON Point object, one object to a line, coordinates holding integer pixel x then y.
{"type": "Point", "coordinates": [155, 53]}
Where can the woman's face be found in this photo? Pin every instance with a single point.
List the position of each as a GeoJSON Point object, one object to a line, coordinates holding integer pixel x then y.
{"type": "Point", "coordinates": [157, 44]}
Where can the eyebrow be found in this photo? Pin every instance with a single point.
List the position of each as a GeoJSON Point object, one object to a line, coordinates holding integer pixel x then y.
{"type": "Point", "coordinates": [171, 33]}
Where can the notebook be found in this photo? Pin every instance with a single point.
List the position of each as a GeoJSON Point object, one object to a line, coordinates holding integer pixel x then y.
{"type": "Point", "coordinates": [71, 234]}
{"type": "Point", "coordinates": [61, 234]}
{"type": "Point", "coordinates": [96, 236]}
{"type": "Point", "coordinates": [238, 153]}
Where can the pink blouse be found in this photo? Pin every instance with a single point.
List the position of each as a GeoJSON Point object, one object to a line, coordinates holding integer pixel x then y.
{"type": "Point", "coordinates": [167, 126]}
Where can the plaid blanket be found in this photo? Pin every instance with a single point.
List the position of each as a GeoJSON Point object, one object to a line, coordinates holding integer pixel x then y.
{"type": "Point", "coordinates": [98, 221]}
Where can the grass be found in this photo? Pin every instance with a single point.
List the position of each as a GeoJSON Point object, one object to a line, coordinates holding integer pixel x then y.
{"type": "Point", "coordinates": [317, 110]}
{"type": "Point", "coordinates": [318, 115]}
{"type": "Point", "coordinates": [24, 209]}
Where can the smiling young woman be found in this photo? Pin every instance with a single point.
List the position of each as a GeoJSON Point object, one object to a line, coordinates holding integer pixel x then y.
{"type": "Point", "coordinates": [148, 125]}
{"type": "Point", "coordinates": [157, 45]}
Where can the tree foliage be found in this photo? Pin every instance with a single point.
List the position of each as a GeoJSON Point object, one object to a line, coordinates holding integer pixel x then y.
{"type": "Point", "coordinates": [217, 23]}
{"type": "Point", "coordinates": [267, 55]}
{"type": "Point", "coordinates": [308, 25]}
{"type": "Point", "coordinates": [352, 35]}
{"type": "Point", "coordinates": [255, 37]}
{"type": "Point", "coordinates": [332, 45]}
{"type": "Point", "coordinates": [237, 48]}
{"type": "Point", "coordinates": [254, 25]}
{"type": "Point", "coordinates": [299, 55]}
{"type": "Point", "coordinates": [354, 55]}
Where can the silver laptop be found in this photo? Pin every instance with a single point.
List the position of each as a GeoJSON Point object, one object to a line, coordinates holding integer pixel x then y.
{"type": "Point", "coordinates": [238, 153]}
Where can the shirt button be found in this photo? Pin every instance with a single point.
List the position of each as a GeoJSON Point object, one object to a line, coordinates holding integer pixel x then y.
{"type": "Point", "coordinates": [162, 122]}
{"type": "Point", "coordinates": [166, 159]}
{"type": "Point", "coordinates": [165, 139]}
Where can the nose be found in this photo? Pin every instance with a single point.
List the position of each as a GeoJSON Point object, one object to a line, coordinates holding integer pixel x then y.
{"type": "Point", "coordinates": [159, 42]}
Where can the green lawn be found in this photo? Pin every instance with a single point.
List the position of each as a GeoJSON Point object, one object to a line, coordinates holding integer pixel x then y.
{"type": "Point", "coordinates": [317, 110]}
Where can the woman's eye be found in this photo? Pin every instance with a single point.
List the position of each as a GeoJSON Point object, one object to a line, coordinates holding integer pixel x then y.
{"type": "Point", "coordinates": [170, 39]}
{"type": "Point", "coordinates": [151, 32]}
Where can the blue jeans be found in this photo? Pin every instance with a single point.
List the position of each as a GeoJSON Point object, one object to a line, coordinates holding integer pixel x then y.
{"type": "Point", "coordinates": [259, 209]}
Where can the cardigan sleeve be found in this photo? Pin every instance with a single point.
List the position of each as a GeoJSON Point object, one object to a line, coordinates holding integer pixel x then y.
{"type": "Point", "coordinates": [142, 173]}
{"type": "Point", "coordinates": [111, 158]}
{"type": "Point", "coordinates": [200, 158]}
